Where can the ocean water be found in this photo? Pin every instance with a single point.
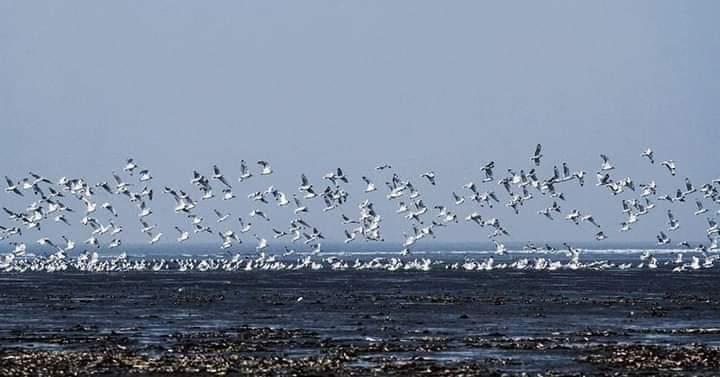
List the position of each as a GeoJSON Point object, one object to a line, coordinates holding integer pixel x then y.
{"type": "Point", "coordinates": [634, 306]}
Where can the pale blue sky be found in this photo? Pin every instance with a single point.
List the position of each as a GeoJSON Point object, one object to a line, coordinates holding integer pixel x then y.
{"type": "Point", "coordinates": [314, 85]}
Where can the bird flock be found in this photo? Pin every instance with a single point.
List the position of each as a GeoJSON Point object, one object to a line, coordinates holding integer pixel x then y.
{"type": "Point", "coordinates": [93, 208]}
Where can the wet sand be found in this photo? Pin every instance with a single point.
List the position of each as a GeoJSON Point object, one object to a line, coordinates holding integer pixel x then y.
{"type": "Point", "coordinates": [361, 323]}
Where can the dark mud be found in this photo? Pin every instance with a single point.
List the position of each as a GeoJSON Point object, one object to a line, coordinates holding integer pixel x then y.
{"type": "Point", "coordinates": [361, 323]}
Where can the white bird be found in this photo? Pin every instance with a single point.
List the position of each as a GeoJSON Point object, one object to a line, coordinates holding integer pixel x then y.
{"type": "Point", "coordinates": [259, 213]}
{"type": "Point", "coordinates": [537, 155]}
{"type": "Point", "coordinates": [184, 236]}
{"type": "Point", "coordinates": [130, 166]}
{"type": "Point", "coordinates": [663, 239]}
{"type": "Point", "coordinates": [606, 163]}
{"type": "Point", "coordinates": [670, 165]}
{"type": "Point", "coordinates": [244, 228]}
{"type": "Point", "coordinates": [245, 173]}
{"type": "Point", "coordinates": [155, 238]}
{"type": "Point", "coordinates": [228, 194]}
{"type": "Point", "coordinates": [700, 209]}
{"type": "Point", "coordinates": [221, 217]}
{"type": "Point", "coordinates": [458, 199]}
{"type": "Point", "coordinates": [649, 154]}
{"type": "Point", "coordinates": [349, 237]}
{"type": "Point", "coordinates": [262, 244]}
{"type": "Point", "coordinates": [46, 241]}
{"type": "Point", "coordinates": [145, 175]}
{"type": "Point", "coordinates": [144, 210]}
{"type": "Point", "coordinates": [69, 244]}
{"type": "Point", "coordinates": [265, 167]}
{"type": "Point", "coordinates": [110, 208]}
{"type": "Point", "coordinates": [12, 187]}
{"type": "Point", "coordinates": [500, 248]}
{"type": "Point", "coordinates": [589, 219]}
{"type": "Point", "coordinates": [370, 186]}
{"type": "Point", "coordinates": [298, 205]}
{"type": "Point", "coordinates": [430, 176]}
{"type": "Point", "coordinates": [673, 223]}
{"type": "Point", "coordinates": [218, 176]}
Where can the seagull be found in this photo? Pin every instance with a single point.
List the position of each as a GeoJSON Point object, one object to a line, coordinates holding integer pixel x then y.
{"type": "Point", "coordinates": [228, 194]}
{"type": "Point", "coordinates": [144, 210]}
{"type": "Point", "coordinates": [12, 187]}
{"type": "Point", "coordinates": [130, 166]}
{"type": "Point", "coordinates": [244, 228]}
{"type": "Point", "coordinates": [430, 177]}
{"type": "Point", "coordinates": [700, 208]}
{"type": "Point", "coordinates": [663, 239]}
{"type": "Point", "coordinates": [335, 176]}
{"type": "Point", "coordinates": [266, 169]}
{"type": "Point", "coordinates": [244, 171]}
{"type": "Point", "coordinates": [383, 167]}
{"type": "Point", "coordinates": [487, 169]}
{"type": "Point", "coordinates": [298, 205]}
{"type": "Point", "coordinates": [146, 227]}
{"type": "Point", "coordinates": [458, 199]}
{"type": "Point", "coordinates": [346, 220]}
{"type": "Point", "coordinates": [259, 213]}
{"type": "Point", "coordinates": [589, 219]}
{"type": "Point", "coordinates": [689, 187]}
{"type": "Point", "coordinates": [537, 156]}
{"type": "Point", "coordinates": [649, 154]}
{"type": "Point", "coordinates": [110, 208]}
{"type": "Point", "coordinates": [62, 218]}
{"type": "Point", "coordinates": [46, 241]}
{"type": "Point", "coordinates": [546, 212]}
{"type": "Point", "coordinates": [349, 237]}
{"type": "Point", "coordinates": [370, 186]}
{"type": "Point", "coordinates": [606, 163]}
{"type": "Point", "coordinates": [600, 236]}
{"type": "Point", "coordinates": [580, 175]}
{"type": "Point", "coordinates": [69, 244]}
{"type": "Point", "coordinates": [145, 175]}
{"type": "Point", "coordinates": [672, 221]}
{"type": "Point", "coordinates": [184, 236]}
{"type": "Point", "coordinates": [220, 216]}
{"type": "Point", "coordinates": [281, 199]}
{"type": "Point", "coordinates": [155, 238]}
{"type": "Point", "coordinates": [574, 216]}
{"type": "Point", "coordinates": [218, 176]}
{"type": "Point", "coordinates": [500, 249]}
{"type": "Point", "coordinates": [262, 244]}
{"type": "Point", "coordinates": [670, 165]}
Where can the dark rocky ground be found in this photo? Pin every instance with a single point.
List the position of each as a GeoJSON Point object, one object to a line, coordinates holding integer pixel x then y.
{"type": "Point", "coordinates": [361, 323]}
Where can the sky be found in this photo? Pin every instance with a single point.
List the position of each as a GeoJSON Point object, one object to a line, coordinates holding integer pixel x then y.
{"type": "Point", "coordinates": [312, 86]}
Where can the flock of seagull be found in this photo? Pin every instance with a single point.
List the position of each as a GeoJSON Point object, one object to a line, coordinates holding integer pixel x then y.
{"type": "Point", "coordinates": [70, 201]}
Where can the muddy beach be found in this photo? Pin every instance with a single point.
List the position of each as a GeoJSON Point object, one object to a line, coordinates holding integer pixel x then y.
{"type": "Point", "coordinates": [361, 323]}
